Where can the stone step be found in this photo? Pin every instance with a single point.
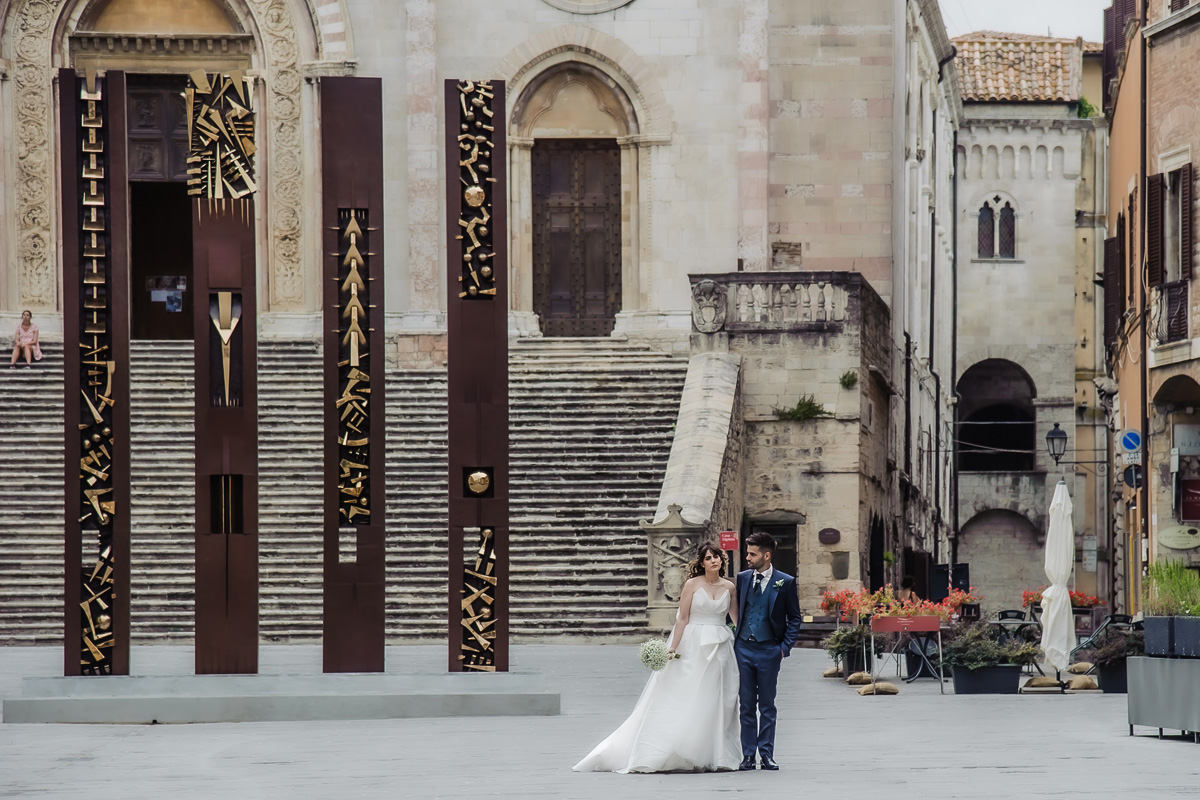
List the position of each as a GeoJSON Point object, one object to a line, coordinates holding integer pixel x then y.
{"type": "Point", "coordinates": [591, 427]}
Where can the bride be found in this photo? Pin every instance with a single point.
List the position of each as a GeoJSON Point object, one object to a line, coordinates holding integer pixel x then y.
{"type": "Point", "coordinates": [687, 716]}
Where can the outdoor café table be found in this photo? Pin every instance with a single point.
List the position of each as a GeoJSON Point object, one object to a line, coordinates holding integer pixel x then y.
{"type": "Point", "coordinates": [923, 629]}
{"type": "Point", "coordinates": [1014, 627]}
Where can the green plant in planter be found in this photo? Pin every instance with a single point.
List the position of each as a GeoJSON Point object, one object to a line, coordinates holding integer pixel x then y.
{"type": "Point", "coordinates": [1171, 590]}
{"type": "Point", "coordinates": [976, 645]}
{"type": "Point", "coordinates": [849, 379]}
{"type": "Point", "coordinates": [848, 640]}
{"type": "Point", "coordinates": [889, 558]}
{"type": "Point", "coordinates": [806, 408]}
{"type": "Point", "coordinates": [1114, 647]}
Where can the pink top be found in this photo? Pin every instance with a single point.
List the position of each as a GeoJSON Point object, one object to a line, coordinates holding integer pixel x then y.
{"type": "Point", "coordinates": [26, 336]}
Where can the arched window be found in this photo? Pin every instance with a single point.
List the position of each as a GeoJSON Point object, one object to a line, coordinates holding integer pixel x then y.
{"type": "Point", "coordinates": [1008, 232]}
{"type": "Point", "coordinates": [987, 232]}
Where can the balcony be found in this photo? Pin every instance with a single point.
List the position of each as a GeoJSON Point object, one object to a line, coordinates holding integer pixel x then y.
{"type": "Point", "coordinates": [1171, 324]}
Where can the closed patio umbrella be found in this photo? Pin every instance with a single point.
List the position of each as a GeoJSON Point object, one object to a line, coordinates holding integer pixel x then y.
{"type": "Point", "coordinates": [1058, 622]}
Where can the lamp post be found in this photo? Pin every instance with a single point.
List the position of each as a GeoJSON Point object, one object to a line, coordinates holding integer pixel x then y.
{"type": "Point", "coordinates": [1056, 443]}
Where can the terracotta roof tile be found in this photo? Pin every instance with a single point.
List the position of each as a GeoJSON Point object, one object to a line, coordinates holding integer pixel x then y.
{"type": "Point", "coordinates": [1016, 67]}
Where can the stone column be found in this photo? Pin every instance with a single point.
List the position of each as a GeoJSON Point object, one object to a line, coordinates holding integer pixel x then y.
{"type": "Point", "coordinates": [522, 321]}
{"type": "Point", "coordinates": [753, 140]}
{"type": "Point", "coordinates": [424, 173]}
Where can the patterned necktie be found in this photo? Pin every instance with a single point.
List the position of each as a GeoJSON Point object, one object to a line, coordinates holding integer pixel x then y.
{"type": "Point", "coordinates": [758, 583]}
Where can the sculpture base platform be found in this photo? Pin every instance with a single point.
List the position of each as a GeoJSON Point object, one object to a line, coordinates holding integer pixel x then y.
{"type": "Point", "coordinates": [277, 698]}
{"type": "Point", "coordinates": [274, 695]}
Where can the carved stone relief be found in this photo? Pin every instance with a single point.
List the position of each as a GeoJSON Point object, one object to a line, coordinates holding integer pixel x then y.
{"type": "Point", "coordinates": [708, 306]}
{"type": "Point", "coordinates": [32, 75]}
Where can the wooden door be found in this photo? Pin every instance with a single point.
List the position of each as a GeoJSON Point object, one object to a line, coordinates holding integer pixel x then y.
{"type": "Point", "coordinates": [576, 236]}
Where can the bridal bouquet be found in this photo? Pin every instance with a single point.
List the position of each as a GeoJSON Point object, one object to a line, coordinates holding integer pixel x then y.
{"type": "Point", "coordinates": [653, 654]}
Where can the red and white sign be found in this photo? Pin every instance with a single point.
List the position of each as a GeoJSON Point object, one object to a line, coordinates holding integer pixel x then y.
{"type": "Point", "coordinates": [729, 540]}
{"type": "Point", "coordinates": [1189, 491]}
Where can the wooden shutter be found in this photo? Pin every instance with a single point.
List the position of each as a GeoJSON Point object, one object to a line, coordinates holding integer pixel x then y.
{"type": "Point", "coordinates": [1178, 4]}
{"type": "Point", "coordinates": [1154, 229]}
{"type": "Point", "coordinates": [1112, 293]}
{"type": "Point", "coordinates": [1185, 222]}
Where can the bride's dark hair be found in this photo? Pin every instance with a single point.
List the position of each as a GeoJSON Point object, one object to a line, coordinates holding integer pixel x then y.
{"type": "Point", "coordinates": [696, 566]}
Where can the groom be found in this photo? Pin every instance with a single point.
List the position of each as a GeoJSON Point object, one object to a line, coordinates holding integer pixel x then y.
{"type": "Point", "coordinates": [767, 625]}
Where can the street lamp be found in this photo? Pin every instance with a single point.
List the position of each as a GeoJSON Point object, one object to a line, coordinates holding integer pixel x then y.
{"type": "Point", "coordinates": [1056, 443]}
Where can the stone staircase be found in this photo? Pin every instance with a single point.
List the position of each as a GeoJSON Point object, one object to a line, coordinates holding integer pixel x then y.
{"type": "Point", "coordinates": [31, 499]}
{"type": "Point", "coordinates": [592, 422]}
{"type": "Point", "coordinates": [591, 427]}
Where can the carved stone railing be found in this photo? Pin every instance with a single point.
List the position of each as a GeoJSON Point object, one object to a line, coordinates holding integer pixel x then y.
{"type": "Point", "coordinates": [747, 301]}
{"type": "Point", "coordinates": [702, 490]}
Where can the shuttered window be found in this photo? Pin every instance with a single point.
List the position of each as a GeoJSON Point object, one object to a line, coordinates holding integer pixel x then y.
{"type": "Point", "coordinates": [1185, 222]}
{"type": "Point", "coordinates": [1111, 292]}
{"type": "Point", "coordinates": [1176, 5]}
{"type": "Point", "coordinates": [1155, 188]}
{"type": "Point", "coordinates": [1008, 232]}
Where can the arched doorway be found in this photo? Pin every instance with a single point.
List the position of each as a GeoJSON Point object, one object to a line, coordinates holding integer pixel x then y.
{"type": "Point", "coordinates": [575, 116]}
{"type": "Point", "coordinates": [997, 421]}
{"type": "Point", "coordinates": [1004, 555]}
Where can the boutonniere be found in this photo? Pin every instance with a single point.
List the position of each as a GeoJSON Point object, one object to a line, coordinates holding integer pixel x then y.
{"type": "Point", "coordinates": [779, 584]}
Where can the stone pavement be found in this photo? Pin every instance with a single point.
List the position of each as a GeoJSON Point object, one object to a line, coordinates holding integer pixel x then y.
{"type": "Point", "coordinates": [831, 743]}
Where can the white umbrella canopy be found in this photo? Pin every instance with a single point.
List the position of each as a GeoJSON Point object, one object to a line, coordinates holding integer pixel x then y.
{"type": "Point", "coordinates": [1058, 622]}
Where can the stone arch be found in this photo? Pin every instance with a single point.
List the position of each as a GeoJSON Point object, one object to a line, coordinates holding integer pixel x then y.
{"type": "Point", "coordinates": [629, 106]}
{"type": "Point", "coordinates": [36, 38]}
{"type": "Point", "coordinates": [1023, 357]}
{"type": "Point", "coordinates": [566, 43]}
{"type": "Point", "coordinates": [996, 417]}
{"type": "Point", "coordinates": [1178, 390]}
{"type": "Point", "coordinates": [602, 108]}
{"type": "Point", "coordinates": [1004, 550]}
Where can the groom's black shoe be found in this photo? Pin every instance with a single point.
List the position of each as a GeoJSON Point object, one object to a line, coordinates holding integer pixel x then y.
{"type": "Point", "coordinates": [769, 763]}
{"type": "Point", "coordinates": [747, 763]}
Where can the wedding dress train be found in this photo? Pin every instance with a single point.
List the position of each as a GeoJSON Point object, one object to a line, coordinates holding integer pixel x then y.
{"type": "Point", "coordinates": [687, 716]}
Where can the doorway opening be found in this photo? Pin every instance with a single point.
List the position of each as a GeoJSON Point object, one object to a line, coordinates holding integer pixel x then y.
{"type": "Point", "coordinates": [576, 236]}
{"type": "Point", "coordinates": [160, 219]}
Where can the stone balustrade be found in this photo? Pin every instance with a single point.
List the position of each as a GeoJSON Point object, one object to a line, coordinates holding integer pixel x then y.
{"type": "Point", "coordinates": [748, 301]}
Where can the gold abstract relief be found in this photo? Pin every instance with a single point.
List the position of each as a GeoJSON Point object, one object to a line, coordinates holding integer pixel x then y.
{"type": "Point", "coordinates": [475, 117]}
{"type": "Point", "coordinates": [225, 312]}
{"type": "Point", "coordinates": [354, 371]}
{"type": "Point", "coordinates": [478, 612]}
{"type": "Point", "coordinates": [96, 370]}
{"type": "Point", "coordinates": [220, 129]}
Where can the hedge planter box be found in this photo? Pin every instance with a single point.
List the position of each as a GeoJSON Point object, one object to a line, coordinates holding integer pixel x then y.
{"type": "Point", "coordinates": [1187, 637]}
{"type": "Point", "coordinates": [1113, 679]}
{"type": "Point", "coordinates": [1160, 636]}
{"type": "Point", "coordinates": [1001, 679]}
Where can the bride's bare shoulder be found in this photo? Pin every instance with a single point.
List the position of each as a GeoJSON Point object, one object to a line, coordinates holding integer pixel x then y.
{"type": "Point", "coordinates": [728, 583]}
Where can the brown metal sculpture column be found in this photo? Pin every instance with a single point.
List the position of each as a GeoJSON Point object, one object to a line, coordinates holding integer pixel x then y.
{"type": "Point", "coordinates": [352, 185]}
{"type": "Point", "coordinates": [477, 321]}
{"type": "Point", "coordinates": [96, 372]}
{"type": "Point", "coordinates": [221, 181]}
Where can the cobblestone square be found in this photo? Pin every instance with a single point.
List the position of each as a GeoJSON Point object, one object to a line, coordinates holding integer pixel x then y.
{"type": "Point", "coordinates": [831, 743]}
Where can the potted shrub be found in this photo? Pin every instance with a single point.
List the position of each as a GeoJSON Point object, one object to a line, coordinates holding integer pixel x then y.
{"type": "Point", "coordinates": [1109, 656]}
{"type": "Point", "coordinates": [845, 646]}
{"type": "Point", "coordinates": [981, 664]}
{"type": "Point", "coordinates": [1172, 608]}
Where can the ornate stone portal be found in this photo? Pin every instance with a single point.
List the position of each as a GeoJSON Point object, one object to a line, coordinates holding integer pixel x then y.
{"type": "Point", "coordinates": [34, 45]}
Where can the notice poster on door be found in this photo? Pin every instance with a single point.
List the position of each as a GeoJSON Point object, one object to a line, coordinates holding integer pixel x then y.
{"type": "Point", "coordinates": [1189, 497]}
{"type": "Point", "coordinates": [168, 290]}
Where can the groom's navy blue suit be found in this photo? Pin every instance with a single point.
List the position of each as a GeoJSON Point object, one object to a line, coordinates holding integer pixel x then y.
{"type": "Point", "coordinates": [768, 623]}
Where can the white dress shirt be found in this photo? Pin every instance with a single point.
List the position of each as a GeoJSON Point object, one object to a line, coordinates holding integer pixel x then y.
{"type": "Point", "coordinates": [766, 576]}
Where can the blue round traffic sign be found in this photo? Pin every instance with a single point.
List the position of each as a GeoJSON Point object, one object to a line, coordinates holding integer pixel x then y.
{"type": "Point", "coordinates": [1131, 440]}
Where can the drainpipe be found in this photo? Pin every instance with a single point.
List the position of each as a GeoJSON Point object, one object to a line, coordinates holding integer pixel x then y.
{"type": "Point", "coordinates": [954, 358]}
{"type": "Point", "coordinates": [1144, 500]}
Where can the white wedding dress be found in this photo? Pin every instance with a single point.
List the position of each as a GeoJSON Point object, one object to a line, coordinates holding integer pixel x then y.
{"type": "Point", "coordinates": [687, 716]}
